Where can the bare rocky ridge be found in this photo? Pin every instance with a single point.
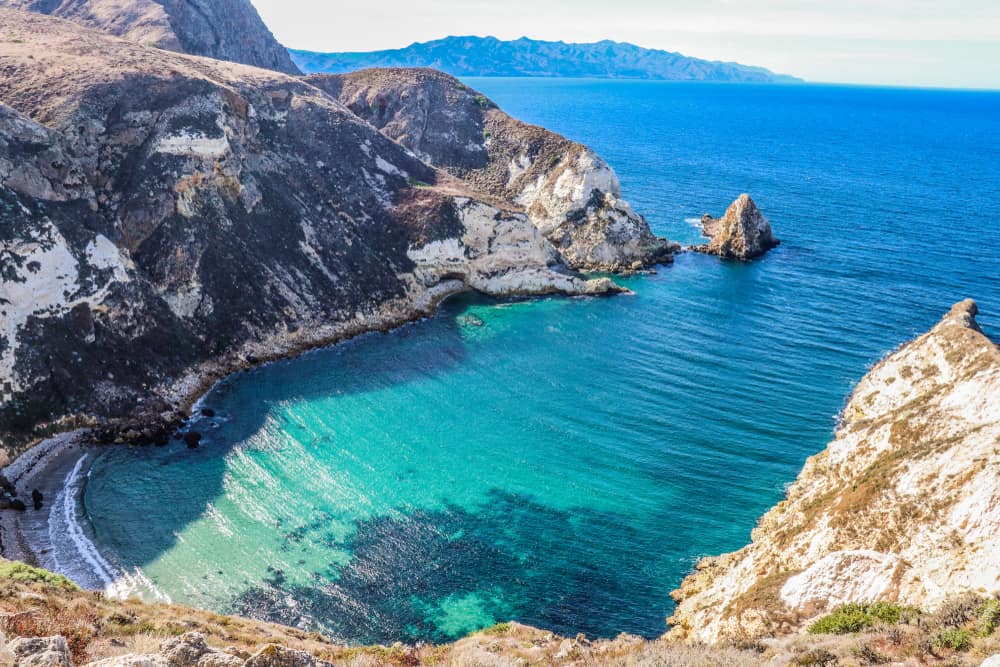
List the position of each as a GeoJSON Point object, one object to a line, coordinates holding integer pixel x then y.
{"type": "Point", "coordinates": [742, 233]}
{"type": "Point", "coordinates": [223, 29]}
{"type": "Point", "coordinates": [904, 505]}
{"type": "Point", "coordinates": [166, 219]}
{"type": "Point", "coordinates": [566, 189]}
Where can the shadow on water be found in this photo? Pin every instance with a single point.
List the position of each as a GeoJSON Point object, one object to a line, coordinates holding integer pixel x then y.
{"type": "Point", "coordinates": [439, 575]}
{"type": "Point", "coordinates": [366, 363]}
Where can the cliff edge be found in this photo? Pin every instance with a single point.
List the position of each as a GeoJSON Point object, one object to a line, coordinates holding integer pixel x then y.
{"type": "Point", "coordinates": [904, 505]}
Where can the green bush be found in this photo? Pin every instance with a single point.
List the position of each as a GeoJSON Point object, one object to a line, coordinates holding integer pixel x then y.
{"type": "Point", "coordinates": [23, 572]}
{"type": "Point", "coordinates": [856, 617]}
{"type": "Point", "coordinates": [957, 639]}
{"type": "Point", "coordinates": [989, 618]}
{"type": "Point", "coordinates": [499, 629]}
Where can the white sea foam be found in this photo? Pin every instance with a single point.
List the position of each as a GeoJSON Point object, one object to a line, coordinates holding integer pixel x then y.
{"type": "Point", "coordinates": [79, 558]}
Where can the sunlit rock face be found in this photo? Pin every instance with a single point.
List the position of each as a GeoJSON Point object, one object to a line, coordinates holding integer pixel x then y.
{"type": "Point", "coordinates": [742, 233]}
{"type": "Point", "coordinates": [904, 505]}
{"type": "Point", "coordinates": [565, 189]}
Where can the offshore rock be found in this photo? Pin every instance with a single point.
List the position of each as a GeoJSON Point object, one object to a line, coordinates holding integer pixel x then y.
{"type": "Point", "coordinates": [565, 189]}
{"type": "Point", "coordinates": [904, 505]}
{"type": "Point", "coordinates": [223, 29]}
{"type": "Point", "coordinates": [742, 233]}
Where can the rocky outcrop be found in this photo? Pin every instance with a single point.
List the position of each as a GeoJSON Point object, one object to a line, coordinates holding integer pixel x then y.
{"type": "Point", "coordinates": [39, 652]}
{"type": "Point", "coordinates": [904, 505]}
{"type": "Point", "coordinates": [223, 29]}
{"type": "Point", "coordinates": [565, 189]}
{"type": "Point", "coordinates": [166, 219]}
{"type": "Point", "coordinates": [187, 650]}
{"type": "Point", "coordinates": [742, 233]}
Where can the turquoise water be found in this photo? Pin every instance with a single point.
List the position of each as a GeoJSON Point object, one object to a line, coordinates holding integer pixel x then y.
{"type": "Point", "coordinates": [567, 462]}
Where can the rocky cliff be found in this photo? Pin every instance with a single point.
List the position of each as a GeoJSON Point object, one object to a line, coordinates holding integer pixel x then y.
{"type": "Point", "coordinates": [742, 233]}
{"type": "Point", "coordinates": [904, 505]}
{"type": "Point", "coordinates": [568, 191]}
{"type": "Point", "coordinates": [165, 219]}
{"type": "Point", "coordinates": [223, 29]}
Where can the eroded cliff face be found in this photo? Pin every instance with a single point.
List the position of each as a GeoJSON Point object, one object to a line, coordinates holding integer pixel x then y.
{"type": "Point", "coordinates": [903, 505]}
{"type": "Point", "coordinates": [565, 189]}
{"type": "Point", "coordinates": [166, 219]}
{"type": "Point", "coordinates": [223, 29]}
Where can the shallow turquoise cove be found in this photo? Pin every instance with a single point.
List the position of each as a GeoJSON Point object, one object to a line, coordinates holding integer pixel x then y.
{"type": "Point", "coordinates": [565, 462]}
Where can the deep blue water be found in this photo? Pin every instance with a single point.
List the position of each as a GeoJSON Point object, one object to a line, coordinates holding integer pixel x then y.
{"type": "Point", "coordinates": [566, 463]}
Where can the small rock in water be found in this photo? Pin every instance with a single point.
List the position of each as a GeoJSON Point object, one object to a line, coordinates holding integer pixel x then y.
{"type": "Point", "coordinates": [18, 505]}
{"type": "Point", "coordinates": [37, 498]}
{"type": "Point", "coordinates": [207, 412]}
{"type": "Point", "coordinates": [192, 439]}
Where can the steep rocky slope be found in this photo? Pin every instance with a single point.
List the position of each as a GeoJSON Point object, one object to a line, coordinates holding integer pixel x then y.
{"type": "Point", "coordinates": [903, 505]}
{"type": "Point", "coordinates": [567, 190]}
{"type": "Point", "coordinates": [742, 233]}
{"type": "Point", "coordinates": [165, 219]}
{"type": "Point", "coordinates": [224, 29]}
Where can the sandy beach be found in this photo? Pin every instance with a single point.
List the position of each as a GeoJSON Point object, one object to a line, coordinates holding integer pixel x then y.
{"type": "Point", "coordinates": [24, 536]}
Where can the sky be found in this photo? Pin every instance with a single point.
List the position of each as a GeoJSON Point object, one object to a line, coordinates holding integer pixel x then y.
{"type": "Point", "coordinates": [949, 43]}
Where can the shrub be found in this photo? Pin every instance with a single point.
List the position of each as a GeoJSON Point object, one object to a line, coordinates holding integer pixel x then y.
{"type": "Point", "coordinates": [499, 629]}
{"type": "Point", "coordinates": [957, 639]}
{"type": "Point", "coordinates": [856, 617]}
{"type": "Point", "coordinates": [817, 657]}
{"type": "Point", "coordinates": [956, 612]}
{"type": "Point", "coordinates": [35, 575]}
{"type": "Point", "coordinates": [989, 618]}
{"type": "Point", "coordinates": [867, 655]}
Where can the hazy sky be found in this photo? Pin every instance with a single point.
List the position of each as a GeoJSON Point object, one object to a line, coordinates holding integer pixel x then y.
{"type": "Point", "coordinates": [902, 42]}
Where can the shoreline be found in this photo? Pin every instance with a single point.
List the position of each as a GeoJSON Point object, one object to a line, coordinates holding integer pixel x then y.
{"type": "Point", "coordinates": [24, 535]}
{"type": "Point", "coordinates": [47, 463]}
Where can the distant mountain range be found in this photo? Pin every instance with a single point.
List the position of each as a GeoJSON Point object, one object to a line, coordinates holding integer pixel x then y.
{"type": "Point", "coordinates": [489, 56]}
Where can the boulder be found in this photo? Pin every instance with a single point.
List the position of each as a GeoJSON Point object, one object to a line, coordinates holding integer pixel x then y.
{"type": "Point", "coordinates": [742, 233]}
{"type": "Point", "coordinates": [186, 650]}
{"type": "Point", "coordinates": [41, 652]}
{"type": "Point", "coordinates": [992, 662]}
{"type": "Point", "coordinates": [192, 439]}
{"type": "Point", "coordinates": [220, 659]}
{"type": "Point", "coordinates": [131, 660]}
{"type": "Point", "coordinates": [273, 655]}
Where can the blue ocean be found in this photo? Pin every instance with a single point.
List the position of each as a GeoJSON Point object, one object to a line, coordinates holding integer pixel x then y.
{"type": "Point", "coordinates": [565, 462]}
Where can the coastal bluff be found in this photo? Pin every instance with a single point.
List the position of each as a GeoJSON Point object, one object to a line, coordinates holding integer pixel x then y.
{"type": "Point", "coordinates": [168, 219]}
{"type": "Point", "coordinates": [903, 506]}
{"type": "Point", "coordinates": [567, 191]}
